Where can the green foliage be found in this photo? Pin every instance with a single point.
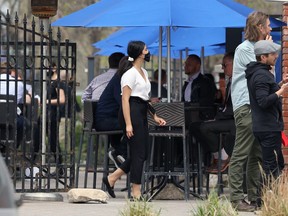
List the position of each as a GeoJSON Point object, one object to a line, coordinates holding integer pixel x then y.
{"type": "Point", "coordinates": [214, 207]}
{"type": "Point", "coordinates": [139, 208]}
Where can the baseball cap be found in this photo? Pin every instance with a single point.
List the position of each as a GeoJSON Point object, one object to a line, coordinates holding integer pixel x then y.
{"type": "Point", "coordinates": [265, 47]}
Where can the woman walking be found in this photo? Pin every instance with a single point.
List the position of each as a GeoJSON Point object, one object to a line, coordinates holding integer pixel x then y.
{"type": "Point", "coordinates": [135, 88]}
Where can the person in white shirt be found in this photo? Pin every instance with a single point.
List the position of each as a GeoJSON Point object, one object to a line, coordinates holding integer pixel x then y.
{"type": "Point", "coordinates": [8, 80]}
{"type": "Point", "coordinates": [135, 87]}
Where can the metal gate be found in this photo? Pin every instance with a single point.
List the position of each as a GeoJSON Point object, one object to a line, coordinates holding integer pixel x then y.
{"type": "Point", "coordinates": [37, 105]}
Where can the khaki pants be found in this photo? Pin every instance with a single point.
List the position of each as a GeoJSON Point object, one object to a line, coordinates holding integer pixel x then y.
{"type": "Point", "coordinates": [246, 149]}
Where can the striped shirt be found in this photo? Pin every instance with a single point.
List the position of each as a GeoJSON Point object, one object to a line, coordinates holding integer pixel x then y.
{"type": "Point", "coordinates": [96, 87]}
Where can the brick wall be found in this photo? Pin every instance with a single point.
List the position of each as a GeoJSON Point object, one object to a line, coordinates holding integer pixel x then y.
{"type": "Point", "coordinates": [285, 70]}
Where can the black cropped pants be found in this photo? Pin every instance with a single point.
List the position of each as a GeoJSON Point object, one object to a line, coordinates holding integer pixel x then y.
{"type": "Point", "coordinates": [138, 144]}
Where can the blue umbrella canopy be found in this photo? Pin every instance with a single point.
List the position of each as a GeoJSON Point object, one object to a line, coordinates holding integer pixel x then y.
{"type": "Point", "coordinates": [181, 38]}
{"type": "Point", "coordinates": [175, 53]}
{"type": "Point", "coordinates": [122, 37]}
{"type": "Point", "coordinates": [86, 15]}
{"type": "Point", "coordinates": [193, 13]}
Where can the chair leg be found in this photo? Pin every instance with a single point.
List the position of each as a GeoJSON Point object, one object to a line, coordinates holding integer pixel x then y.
{"type": "Point", "coordinates": [186, 189]}
{"type": "Point", "coordinates": [193, 165]}
{"type": "Point", "coordinates": [95, 161]}
{"type": "Point", "coordinates": [207, 183]}
{"type": "Point", "coordinates": [89, 149]}
{"type": "Point", "coordinates": [105, 162]}
{"type": "Point", "coordinates": [219, 166]}
{"type": "Point", "coordinates": [79, 159]}
{"type": "Point", "coordinates": [149, 165]}
{"type": "Point", "coordinates": [188, 161]}
{"type": "Point", "coordinates": [200, 173]}
{"type": "Point", "coordinates": [219, 174]}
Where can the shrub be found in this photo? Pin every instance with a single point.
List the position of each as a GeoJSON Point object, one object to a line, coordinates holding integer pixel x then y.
{"type": "Point", "coordinates": [214, 206]}
{"type": "Point", "coordinates": [139, 208]}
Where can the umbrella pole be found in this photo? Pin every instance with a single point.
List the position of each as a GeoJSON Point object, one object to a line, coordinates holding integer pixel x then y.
{"type": "Point", "coordinates": [202, 60]}
{"type": "Point", "coordinates": [160, 61]}
{"type": "Point", "coordinates": [168, 63]}
{"type": "Point", "coordinates": [181, 76]}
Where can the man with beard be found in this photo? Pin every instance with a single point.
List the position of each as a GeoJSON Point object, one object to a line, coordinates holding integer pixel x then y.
{"type": "Point", "coordinates": [247, 150]}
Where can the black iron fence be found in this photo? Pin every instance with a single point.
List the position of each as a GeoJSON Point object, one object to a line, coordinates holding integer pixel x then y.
{"type": "Point", "coordinates": [37, 105]}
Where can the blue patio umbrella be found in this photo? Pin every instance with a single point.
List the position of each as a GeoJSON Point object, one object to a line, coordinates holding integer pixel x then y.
{"type": "Point", "coordinates": [192, 13]}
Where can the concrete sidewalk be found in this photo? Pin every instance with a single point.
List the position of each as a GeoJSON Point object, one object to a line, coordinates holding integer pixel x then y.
{"type": "Point", "coordinates": [113, 207]}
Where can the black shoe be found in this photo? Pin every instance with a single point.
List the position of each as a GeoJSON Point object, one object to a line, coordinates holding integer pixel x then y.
{"type": "Point", "coordinates": [110, 189]}
{"type": "Point", "coordinates": [257, 203]}
{"type": "Point", "coordinates": [242, 205]}
{"type": "Point", "coordinates": [117, 159]}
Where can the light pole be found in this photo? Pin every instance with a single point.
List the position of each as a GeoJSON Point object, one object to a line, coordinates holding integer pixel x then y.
{"type": "Point", "coordinates": [44, 9]}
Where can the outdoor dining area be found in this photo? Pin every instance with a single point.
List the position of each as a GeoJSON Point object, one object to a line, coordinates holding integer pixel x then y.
{"type": "Point", "coordinates": [59, 136]}
{"type": "Point", "coordinates": [169, 35]}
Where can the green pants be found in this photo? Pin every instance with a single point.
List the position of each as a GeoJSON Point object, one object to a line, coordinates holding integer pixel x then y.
{"type": "Point", "coordinates": [246, 149]}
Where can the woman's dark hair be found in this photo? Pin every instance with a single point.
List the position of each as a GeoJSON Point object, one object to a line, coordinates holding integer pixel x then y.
{"type": "Point", "coordinates": [124, 65]}
{"type": "Point", "coordinates": [134, 50]}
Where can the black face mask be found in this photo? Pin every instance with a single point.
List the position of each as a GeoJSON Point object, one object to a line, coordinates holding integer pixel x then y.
{"type": "Point", "coordinates": [147, 57]}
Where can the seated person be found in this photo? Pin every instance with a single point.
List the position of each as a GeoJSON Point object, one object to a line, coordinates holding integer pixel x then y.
{"type": "Point", "coordinates": [154, 84]}
{"type": "Point", "coordinates": [96, 87]}
{"type": "Point", "coordinates": [198, 89]}
{"type": "Point", "coordinates": [12, 83]}
{"type": "Point", "coordinates": [107, 118]}
{"type": "Point", "coordinates": [223, 122]}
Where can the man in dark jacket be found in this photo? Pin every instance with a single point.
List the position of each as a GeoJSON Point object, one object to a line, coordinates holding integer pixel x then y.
{"type": "Point", "coordinates": [107, 119]}
{"type": "Point", "coordinates": [198, 88]}
{"type": "Point", "coordinates": [223, 122]}
{"type": "Point", "coordinates": [266, 105]}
